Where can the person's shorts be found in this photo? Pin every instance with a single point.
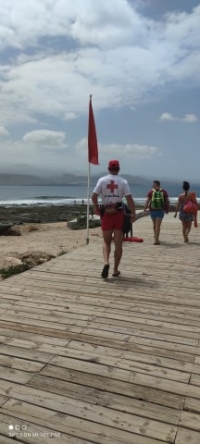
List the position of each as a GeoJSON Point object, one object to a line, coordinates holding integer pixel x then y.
{"type": "Point", "coordinates": [112, 221]}
{"type": "Point", "coordinates": [157, 214]}
{"type": "Point", "coordinates": [186, 217]}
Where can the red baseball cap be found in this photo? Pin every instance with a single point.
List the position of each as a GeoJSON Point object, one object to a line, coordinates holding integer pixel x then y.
{"type": "Point", "coordinates": [113, 164]}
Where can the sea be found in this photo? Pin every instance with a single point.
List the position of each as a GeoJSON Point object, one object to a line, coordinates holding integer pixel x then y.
{"type": "Point", "coordinates": [70, 195]}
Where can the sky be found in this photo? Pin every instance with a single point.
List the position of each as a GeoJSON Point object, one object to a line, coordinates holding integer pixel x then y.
{"type": "Point", "coordinates": [140, 61]}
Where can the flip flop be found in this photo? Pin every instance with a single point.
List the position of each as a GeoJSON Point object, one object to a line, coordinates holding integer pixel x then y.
{"type": "Point", "coordinates": [105, 271]}
{"type": "Point", "coordinates": [116, 274]}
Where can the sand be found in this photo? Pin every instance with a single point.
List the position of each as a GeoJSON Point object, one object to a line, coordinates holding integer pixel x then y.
{"type": "Point", "coordinates": [51, 238]}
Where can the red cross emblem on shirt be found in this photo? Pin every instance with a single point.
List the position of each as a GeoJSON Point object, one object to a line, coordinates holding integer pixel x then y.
{"type": "Point", "coordinates": [112, 186]}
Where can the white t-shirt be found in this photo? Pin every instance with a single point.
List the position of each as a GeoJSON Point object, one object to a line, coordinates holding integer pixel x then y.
{"type": "Point", "coordinates": [112, 189]}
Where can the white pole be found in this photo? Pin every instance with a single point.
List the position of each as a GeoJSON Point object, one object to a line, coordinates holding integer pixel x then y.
{"type": "Point", "coordinates": [88, 205]}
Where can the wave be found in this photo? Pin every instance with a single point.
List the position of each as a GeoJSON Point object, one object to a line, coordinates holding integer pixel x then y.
{"type": "Point", "coordinates": [60, 201]}
{"type": "Point", "coordinates": [51, 197]}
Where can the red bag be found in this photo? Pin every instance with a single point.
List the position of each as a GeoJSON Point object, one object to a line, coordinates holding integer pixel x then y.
{"type": "Point", "coordinates": [190, 207]}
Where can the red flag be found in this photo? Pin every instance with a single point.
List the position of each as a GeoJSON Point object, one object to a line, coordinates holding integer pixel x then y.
{"type": "Point", "coordinates": [92, 138]}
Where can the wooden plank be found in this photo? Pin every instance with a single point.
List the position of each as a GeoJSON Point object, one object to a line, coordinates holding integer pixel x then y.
{"type": "Point", "coordinates": [21, 364]}
{"type": "Point", "coordinates": [135, 330]}
{"type": "Point", "coordinates": [37, 338]}
{"type": "Point", "coordinates": [3, 399]}
{"type": "Point", "coordinates": [5, 440]}
{"type": "Point", "coordinates": [31, 433]}
{"type": "Point", "coordinates": [45, 313]}
{"type": "Point", "coordinates": [101, 397]}
{"type": "Point", "coordinates": [190, 421]}
{"type": "Point", "coordinates": [35, 318]}
{"type": "Point", "coordinates": [137, 340]}
{"type": "Point", "coordinates": [84, 429]}
{"type": "Point", "coordinates": [97, 350]}
{"type": "Point", "coordinates": [98, 414]}
{"type": "Point", "coordinates": [25, 353]}
{"type": "Point", "coordinates": [178, 326]}
{"type": "Point", "coordinates": [11, 374]}
{"type": "Point", "coordinates": [185, 436]}
{"type": "Point", "coordinates": [192, 405]}
{"type": "Point", "coordinates": [195, 380]}
{"type": "Point", "coordinates": [37, 323]}
{"type": "Point", "coordinates": [118, 362]}
{"type": "Point", "coordinates": [153, 395]}
{"type": "Point", "coordinates": [127, 376]}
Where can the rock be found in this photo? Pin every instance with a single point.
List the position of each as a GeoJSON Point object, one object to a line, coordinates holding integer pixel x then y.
{"type": "Point", "coordinates": [31, 258]}
{"type": "Point", "coordinates": [11, 262]}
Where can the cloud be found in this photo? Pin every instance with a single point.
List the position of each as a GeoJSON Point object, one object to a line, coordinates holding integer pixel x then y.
{"type": "Point", "coordinates": [3, 131]}
{"type": "Point", "coordinates": [127, 151]}
{"type": "Point", "coordinates": [46, 140]}
{"type": "Point", "coordinates": [44, 137]}
{"type": "Point", "coordinates": [167, 117]}
{"type": "Point", "coordinates": [66, 51]}
{"type": "Point", "coordinates": [40, 147]}
{"type": "Point", "coordinates": [189, 118]}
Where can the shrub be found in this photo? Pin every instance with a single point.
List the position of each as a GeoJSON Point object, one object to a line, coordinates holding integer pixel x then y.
{"type": "Point", "coordinates": [14, 269]}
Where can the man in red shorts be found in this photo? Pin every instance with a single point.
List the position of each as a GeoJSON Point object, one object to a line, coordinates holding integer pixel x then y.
{"type": "Point", "coordinates": [112, 189]}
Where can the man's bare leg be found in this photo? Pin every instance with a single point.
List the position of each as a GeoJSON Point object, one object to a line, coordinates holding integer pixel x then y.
{"type": "Point", "coordinates": [158, 222]}
{"type": "Point", "coordinates": [118, 251]}
{"type": "Point", "coordinates": [154, 227]}
{"type": "Point", "coordinates": [107, 239]}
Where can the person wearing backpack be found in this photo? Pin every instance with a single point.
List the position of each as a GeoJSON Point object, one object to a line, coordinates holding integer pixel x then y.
{"type": "Point", "coordinates": [158, 203]}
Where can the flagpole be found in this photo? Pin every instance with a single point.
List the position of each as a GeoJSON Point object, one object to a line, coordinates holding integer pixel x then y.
{"type": "Point", "coordinates": [88, 205]}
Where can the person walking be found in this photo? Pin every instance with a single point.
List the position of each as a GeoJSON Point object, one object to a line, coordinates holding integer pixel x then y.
{"type": "Point", "coordinates": [158, 203]}
{"type": "Point", "coordinates": [186, 217]}
{"type": "Point", "coordinates": [112, 189]}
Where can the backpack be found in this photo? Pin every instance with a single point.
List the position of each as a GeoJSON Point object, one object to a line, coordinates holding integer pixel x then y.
{"type": "Point", "coordinates": [157, 200]}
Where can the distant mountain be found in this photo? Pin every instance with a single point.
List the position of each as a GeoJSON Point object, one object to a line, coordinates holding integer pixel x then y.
{"type": "Point", "coordinates": [66, 179]}
{"type": "Point", "coordinates": [21, 179]}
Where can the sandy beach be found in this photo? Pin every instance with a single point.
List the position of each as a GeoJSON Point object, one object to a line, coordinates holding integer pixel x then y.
{"type": "Point", "coordinates": [50, 238]}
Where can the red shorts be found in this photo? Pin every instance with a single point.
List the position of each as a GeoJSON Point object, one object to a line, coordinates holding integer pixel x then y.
{"type": "Point", "coordinates": [112, 221]}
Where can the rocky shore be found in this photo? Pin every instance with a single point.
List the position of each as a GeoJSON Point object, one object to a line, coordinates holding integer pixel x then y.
{"type": "Point", "coordinates": [15, 215]}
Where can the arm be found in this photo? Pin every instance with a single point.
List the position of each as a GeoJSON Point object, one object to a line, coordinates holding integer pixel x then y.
{"type": "Point", "coordinates": [96, 204]}
{"type": "Point", "coordinates": [177, 207]}
{"type": "Point", "coordinates": [95, 194]}
{"type": "Point", "coordinates": [167, 204]}
{"type": "Point", "coordinates": [146, 204]}
{"type": "Point", "coordinates": [95, 200]}
{"type": "Point", "coordinates": [131, 205]}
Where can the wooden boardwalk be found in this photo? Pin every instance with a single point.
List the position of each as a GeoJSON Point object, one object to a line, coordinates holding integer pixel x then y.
{"type": "Point", "coordinates": [86, 361]}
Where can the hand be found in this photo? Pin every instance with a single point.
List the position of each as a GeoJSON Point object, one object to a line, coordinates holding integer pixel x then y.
{"type": "Point", "coordinates": [145, 211]}
{"type": "Point", "coordinates": [133, 218]}
{"type": "Point", "coordinates": [97, 211]}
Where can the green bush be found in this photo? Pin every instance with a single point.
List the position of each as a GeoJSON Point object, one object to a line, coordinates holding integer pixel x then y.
{"type": "Point", "coordinates": [62, 252]}
{"type": "Point", "coordinates": [14, 269]}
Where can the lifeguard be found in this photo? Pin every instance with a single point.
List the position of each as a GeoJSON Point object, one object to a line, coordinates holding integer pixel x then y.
{"type": "Point", "coordinates": [112, 189]}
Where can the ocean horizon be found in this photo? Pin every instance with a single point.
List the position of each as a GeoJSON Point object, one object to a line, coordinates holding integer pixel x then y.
{"type": "Point", "coordinates": [21, 195]}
